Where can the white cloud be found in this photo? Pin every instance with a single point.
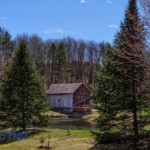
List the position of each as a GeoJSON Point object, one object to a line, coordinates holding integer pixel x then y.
{"type": "Point", "coordinates": [86, 1]}
{"type": "Point", "coordinates": [109, 1]}
{"type": "Point", "coordinates": [83, 1]}
{"type": "Point", "coordinates": [59, 31]}
{"type": "Point", "coordinates": [3, 18]}
{"type": "Point", "coordinates": [53, 30]}
{"type": "Point", "coordinates": [111, 26]}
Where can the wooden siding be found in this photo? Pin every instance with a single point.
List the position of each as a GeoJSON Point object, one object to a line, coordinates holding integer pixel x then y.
{"type": "Point", "coordinates": [61, 101]}
{"type": "Point", "coordinates": [78, 101]}
{"type": "Point", "coordinates": [80, 94]}
{"type": "Point", "coordinates": [83, 107]}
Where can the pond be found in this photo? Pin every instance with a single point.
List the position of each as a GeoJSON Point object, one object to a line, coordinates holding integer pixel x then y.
{"type": "Point", "coordinates": [71, 123]}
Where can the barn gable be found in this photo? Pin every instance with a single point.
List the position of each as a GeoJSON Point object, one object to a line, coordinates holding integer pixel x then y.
{"type": "Point", "coordinates": [81, 93]}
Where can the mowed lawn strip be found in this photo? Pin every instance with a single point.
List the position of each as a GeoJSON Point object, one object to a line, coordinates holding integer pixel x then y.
{"type": "Point", "coordinates": [59, 140]}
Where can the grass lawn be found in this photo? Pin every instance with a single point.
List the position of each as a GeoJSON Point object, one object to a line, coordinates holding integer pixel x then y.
{"type": "Point", "coordinates": [77, 140]}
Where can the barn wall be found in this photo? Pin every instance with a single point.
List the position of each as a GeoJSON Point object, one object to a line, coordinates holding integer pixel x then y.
{"type": "Point", "coordinates": [61, 100]}
{"type": "Point", "coordinates": [83, 107]}
{"type": "Point", "coordinates": [81, 94]}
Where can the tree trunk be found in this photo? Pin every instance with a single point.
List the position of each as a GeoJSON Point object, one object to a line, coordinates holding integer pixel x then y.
{"type": "Point", "coordinates": [134, 111]}
{"type": "Point", "coordinates": [23, 118]}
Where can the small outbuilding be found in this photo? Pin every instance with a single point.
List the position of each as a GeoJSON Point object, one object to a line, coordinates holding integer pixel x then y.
{"type": "Point", "coordinates": [70, 98]}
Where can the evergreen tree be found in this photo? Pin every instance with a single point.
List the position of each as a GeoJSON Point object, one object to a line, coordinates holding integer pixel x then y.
{"type": "Point", "coordinates": [130, 46]}
{"type": "Point", "coordinates": [6, 47]}
{"type": "Point", "coordinates": [110, 93]}
{"type": "Point", "coordinates": [23, 100]}
{"type": "Point", "coordinates": [121, 81]}
{"type": "Point", "coordinates": [59, 62]}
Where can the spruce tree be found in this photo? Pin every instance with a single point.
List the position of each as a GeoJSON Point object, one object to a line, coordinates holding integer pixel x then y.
{"type": "Point", "coordinates": [121, 80]}
{"type": "Point", "coordinates": [110, 93]}
{"type": "Point", "coordinates": [130, 45]}
{"type": "Point", "coordinates": [59, 62]}
{"type": "Point", "coordinates": [23, 100]}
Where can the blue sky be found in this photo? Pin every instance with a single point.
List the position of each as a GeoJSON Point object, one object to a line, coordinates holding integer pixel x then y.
{"type": "Point", "coordinates": [97, 20]}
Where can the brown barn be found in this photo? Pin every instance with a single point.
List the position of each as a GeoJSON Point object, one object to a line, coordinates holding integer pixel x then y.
{"type": "Point", "coordinates": [72, 97]}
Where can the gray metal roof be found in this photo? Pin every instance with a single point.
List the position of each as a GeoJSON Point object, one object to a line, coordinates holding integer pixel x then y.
{"type": "Point", "coordinates": [68, 88]}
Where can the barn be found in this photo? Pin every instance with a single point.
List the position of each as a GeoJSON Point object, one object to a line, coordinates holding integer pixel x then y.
{"type": "Point", "coordinates": [70, 98]}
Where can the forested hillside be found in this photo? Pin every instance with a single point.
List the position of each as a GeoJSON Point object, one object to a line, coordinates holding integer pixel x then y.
{"type": "Point", "coordinates": [58, 61]}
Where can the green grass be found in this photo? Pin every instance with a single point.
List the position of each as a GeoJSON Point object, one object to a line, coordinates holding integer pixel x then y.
{"type": "Point", "coordinates": [145, 112]}
{"type": "Point", "coordinates": [147, 127]}
{"type": "Point", "coordinates": [77, 140]}
{"type": "Point", "coordinates": [91, 117]}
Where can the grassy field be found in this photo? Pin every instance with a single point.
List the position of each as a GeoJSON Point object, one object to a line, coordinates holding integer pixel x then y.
{"type": "Point", "coordinates": [77, 140]}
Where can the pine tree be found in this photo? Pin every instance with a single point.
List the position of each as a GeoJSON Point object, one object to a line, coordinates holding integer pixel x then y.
{"type": "Point", "coordinates": [131, 43]}
{"type": "Point", "coordinates": [146, 18]}
{"type": "Point", "coordinates": [121, 81]}
{"type": "Point", "coordinates": [110, 93]}
{"type": "Point", "coordinates": [23, 100]}
{"type": "Point", "coordinates": [59, 62]}
{"type": "Point", "coordinates": [6, 48]}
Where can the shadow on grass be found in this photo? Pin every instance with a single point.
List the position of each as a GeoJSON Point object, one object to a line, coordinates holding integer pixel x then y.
{"type": "Point", "coordinates": [107, 147]}
{"type": "Point", "coordinates": [33, 132]}
{"type": "Point", "coordinates": [126, 144]}
{"type": "Point", "coordinates": [10, 136]}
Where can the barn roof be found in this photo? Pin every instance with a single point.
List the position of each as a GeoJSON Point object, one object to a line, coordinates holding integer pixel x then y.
{"type": "Point", "coordinates": [63, 88]}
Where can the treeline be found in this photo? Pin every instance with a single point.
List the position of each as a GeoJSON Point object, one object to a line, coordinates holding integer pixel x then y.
{"type": "Point", "coordinates": [58, 61]}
